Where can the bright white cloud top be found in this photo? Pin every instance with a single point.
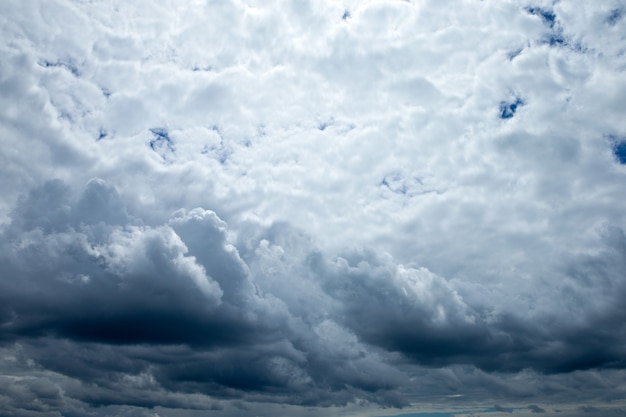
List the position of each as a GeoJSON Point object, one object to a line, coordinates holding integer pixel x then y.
{"type": "Point", "coordinates": [312, 207]}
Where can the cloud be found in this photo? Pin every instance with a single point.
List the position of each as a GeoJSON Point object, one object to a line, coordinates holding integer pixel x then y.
{"type": "Point", "coordinates": [172, 307]}
{"type": "Point", "coordinates": [88, 266]}
{"type": "Point", "coordinates": [241, 206]}
{"type": "Point", "coordinates": [502, 409]}
{"type": "Point", "coordinates": [178, 308]}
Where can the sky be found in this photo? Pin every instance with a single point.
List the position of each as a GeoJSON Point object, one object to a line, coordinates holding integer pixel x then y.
{"type": "Point", "coordinates": [312, 208]}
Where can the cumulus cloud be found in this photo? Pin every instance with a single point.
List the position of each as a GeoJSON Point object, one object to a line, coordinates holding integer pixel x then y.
{"type": "Point", "coordinates": [167, 309]}
{"type": "Point", "coordinates": [153, 314]}
{"type": "Point", "coordinates": [241, 206]}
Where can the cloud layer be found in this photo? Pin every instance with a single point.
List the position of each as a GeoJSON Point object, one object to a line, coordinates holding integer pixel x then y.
{"type": "Point", "coordinates": [237, 207]}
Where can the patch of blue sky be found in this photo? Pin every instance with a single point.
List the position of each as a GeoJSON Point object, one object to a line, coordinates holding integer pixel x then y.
{"type": "Point", "coordinates": [619, 151]}
{"type": "Point", "coordinates": [556, 39]}
{"type": "Point", "coordinates": [614, 17]}
{"type": "Point", "coordinates": [395, 183]}
{"type": "Point", "coordinates": [547, 16]}
{"type": "Point", "coordinates": [508, 109]}
{"type": "Point", "coordinates": [161, 143]}
{"type": "Point", "coordinates": [323, 125]}
{"type": "Point", "coordinates": [514, 54]}
{"type": "Point", "coordinates": [102, 133]}
{"type": "Point", "coordinates": [161, 136]}
{"type": "Point", "coordinates": [69, 66]}
{"type": "Point", "coordinates": [220, 152]}
{"type": "Point", "coordinates": [618, 147]}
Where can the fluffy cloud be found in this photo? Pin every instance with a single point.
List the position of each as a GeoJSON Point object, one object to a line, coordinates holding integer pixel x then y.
{"type": "Point", "coordinates": [236, 206]}
{"type": "Point", "coordinates": [167, 309]}
{"type": "Point", "coordinates": [154, 314]}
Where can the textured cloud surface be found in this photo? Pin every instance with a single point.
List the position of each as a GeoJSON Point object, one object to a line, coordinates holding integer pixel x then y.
{"type": "Point", "coordinates": [299, 208]}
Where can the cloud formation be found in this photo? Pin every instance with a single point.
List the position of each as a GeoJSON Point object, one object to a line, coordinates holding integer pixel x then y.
{"type": "Point", "coordinates": [251, 208]}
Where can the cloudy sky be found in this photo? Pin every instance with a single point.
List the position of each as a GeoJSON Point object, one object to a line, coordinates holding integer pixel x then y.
{"type": "Point", "coordinates": [312, 208]}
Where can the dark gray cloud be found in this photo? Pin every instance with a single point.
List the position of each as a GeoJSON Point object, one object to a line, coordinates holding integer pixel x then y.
{"type": "Point", "coordinates": [418, 314]}
{"type": "Point", "coordinates": [152, 314]}
{"type": "Point", "coordinates": [97, 300]}
{"type": "Point", "coordinates": [502, 409]}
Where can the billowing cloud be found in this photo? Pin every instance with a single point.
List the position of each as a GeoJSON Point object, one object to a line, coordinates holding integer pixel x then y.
{"type": "Point", "coordinates": [153, 314]}
{"type": "Point", "coordinates": [257, 208]}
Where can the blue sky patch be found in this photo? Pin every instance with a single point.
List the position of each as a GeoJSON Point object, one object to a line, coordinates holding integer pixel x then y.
{"type": "Point", "coordinates": [61, 64]}
{"type": "Point", "coordinates": [514, 54]}
{"type": "Point", "coordinates": [161, 143]}
{"type": "Point", "coordinates": [508, 109]}
{"type": "Point", "coordinates": [614, 17]}
{"type": "Point", "coordinates": [102, 134]}
{"type": "Point", "coordinates": [220, 152]}
{"type": "Point", "coordinates": [395, 183]}
{"type": "Point", "coordinates": [547, 16]}
{"type": "Point", "coordinates": [556, 39]}
{"type": "Point", "coordinates": [326, 123]}
{"type": "Point", "coordinates": [619, 150]}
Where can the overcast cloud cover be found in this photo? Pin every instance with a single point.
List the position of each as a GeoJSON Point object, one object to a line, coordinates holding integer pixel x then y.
{"type": "Point", "coordinates": [312, 208]}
